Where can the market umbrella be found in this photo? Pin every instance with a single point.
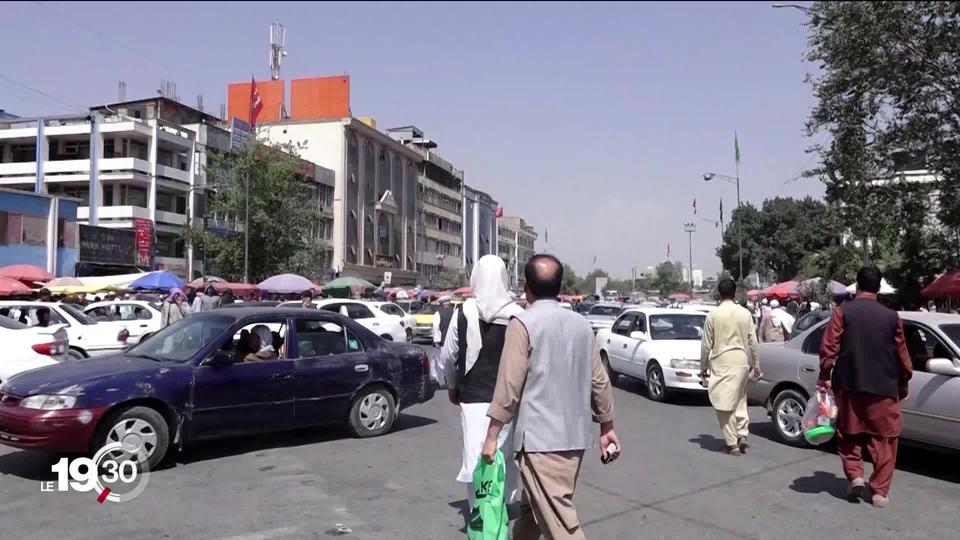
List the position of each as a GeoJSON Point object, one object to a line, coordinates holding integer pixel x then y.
{"type": "Point", "coordinates": [463, 291]}
{"type": "Point", "coordinates": [286, 284]}
{"type": "Point", "coordinates": [26, 272]}
{"type": "Point", "coordinates": [425, 294]}
{"type": "Point", "coordinates": [753, 293]}
{"type": "Point", "coordinates": [9, 286]}
{"type": "Point", "coordinates": [158, 281]}
{"type": "Point", "coordinates": [947, 285]}
{"type": "Point", "coordinates": [63, 282]}
{"type": "Point", "coordinates": [788, 290]}
{"type": "Point", "coordinates": [885, 288]}
{"type": "Point", "coordinates": [202, 282]}
{"type": "Point", "coordinates": [678, 296]}
{"type": "Point", "coordinates": [347, 283]}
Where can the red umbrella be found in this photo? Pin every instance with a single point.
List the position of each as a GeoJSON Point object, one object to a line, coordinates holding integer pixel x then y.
{"type": "Point", "coordinates": [463, 291]}
{"type": "Point", "coordinates": [678, 296]}
{"type": "Point", "coordinates": [788, 290]}
{"type": "Point", "coordinates": [9, 286]}
{"type": "Point", "coordinates": [26, 272]}
{"type": "Point", "coordinates": [753, 293]}
{"type": "Point", "coordinates": [944, 286]}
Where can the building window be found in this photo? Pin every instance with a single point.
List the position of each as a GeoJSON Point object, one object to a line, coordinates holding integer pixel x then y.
{"type": "Point", "coordinates": [66, 234]}
{"type": "Point", "coordinates": [35, 230]}
{"type": "Point", "coordinates": [24, 153]}
{"type": "Point", "coordinates": [383, 174]}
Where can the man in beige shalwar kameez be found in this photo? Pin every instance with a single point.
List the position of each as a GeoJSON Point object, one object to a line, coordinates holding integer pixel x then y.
{"type": "Point", "coordinates": [728, 355]}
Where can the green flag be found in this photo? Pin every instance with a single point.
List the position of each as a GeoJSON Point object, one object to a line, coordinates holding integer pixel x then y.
{"type": "Point", "coordinates": [736, 148]}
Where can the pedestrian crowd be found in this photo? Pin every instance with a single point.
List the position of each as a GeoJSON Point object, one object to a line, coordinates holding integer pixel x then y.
{"type": "Point", "coordinates": [530, 384]}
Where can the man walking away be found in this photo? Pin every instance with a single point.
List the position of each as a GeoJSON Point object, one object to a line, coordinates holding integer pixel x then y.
{"type": "Point", "coordinates": [441, 323]}
{"type": "Point", "coordinates": [864, 359]}
{"type": "Point", "coordinates": [306, 299]}
{"type": "Point", "coordinates": [728, 352]}
{"type": "Point", "coordinates": [552, 383]}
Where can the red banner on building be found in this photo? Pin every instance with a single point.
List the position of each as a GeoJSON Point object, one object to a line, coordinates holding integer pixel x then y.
{"type": "Point", "coordinates": [144, 230]}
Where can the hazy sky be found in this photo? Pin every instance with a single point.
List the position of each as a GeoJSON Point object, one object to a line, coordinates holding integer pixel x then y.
{"type": "Point", "coordinates": [594, 121]}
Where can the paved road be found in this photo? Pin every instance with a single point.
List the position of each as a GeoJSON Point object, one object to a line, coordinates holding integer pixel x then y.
{"type": "Point", "coordinates": [672, 482]}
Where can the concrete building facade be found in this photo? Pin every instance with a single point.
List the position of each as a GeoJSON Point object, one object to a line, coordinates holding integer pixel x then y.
{"type": "Point", "coordinates": [516, 244]}
{"type": "Point", "coordinates": [40, 230]}
{"type": "Point", "coordinates": [479, 227]}
{"type": "Point", "coordinates": [149, 156]}
{"type": "Point", "coordinates": [375, 194]}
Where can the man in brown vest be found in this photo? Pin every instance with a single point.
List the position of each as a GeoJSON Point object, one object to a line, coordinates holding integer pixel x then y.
{"type": "Point", "coordinates": [864, 359]}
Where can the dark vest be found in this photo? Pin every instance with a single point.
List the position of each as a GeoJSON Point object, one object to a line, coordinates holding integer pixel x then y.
{"type": "Point", "coordinates": [477, 386]}
{"type": "Point", "coordinates": [446, 314]}
{"type": "Point", "coordinates": [868, 361]}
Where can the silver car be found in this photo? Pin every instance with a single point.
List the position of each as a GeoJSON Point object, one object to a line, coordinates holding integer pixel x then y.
{"type": "Point", "coordinates": [602, 315]}
{"type": "Point", "coordinates": [931, 414]}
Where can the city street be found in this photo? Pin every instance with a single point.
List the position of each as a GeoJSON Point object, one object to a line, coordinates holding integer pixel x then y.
{"type": "Point", "coordinates": [671, 482]}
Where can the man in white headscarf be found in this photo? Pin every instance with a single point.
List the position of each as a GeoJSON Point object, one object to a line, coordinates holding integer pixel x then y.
{"type": "Point", "coordinates": [471, 352]}
{"type": "Point", "coordinates": [782, 319]}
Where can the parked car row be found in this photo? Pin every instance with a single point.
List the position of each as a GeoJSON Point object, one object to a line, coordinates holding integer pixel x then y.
{"type": "Point", "coordinates": [195, 380]}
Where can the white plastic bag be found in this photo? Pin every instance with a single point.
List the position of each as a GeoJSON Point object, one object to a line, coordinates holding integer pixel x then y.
{"type": "Point", "coordinates": [443, 372]}
{"type": "Point", "coordinates": [819, 417]}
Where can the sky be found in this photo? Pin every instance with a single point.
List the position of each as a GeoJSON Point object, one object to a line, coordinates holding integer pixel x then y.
{"type": "Point", "coordinates": [593, 121]}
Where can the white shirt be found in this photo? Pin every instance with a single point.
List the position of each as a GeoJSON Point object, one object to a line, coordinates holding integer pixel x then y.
{"type": "Point", "coordinates": [781, 317]}
{"type": "Point", "coordinates": [436, 327]}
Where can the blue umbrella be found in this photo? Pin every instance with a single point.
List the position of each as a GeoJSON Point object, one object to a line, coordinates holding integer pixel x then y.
{"type": "Point", "coordinates": [158, 281]}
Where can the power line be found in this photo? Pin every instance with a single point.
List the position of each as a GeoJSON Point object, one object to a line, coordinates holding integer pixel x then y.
{"type": "Point", "coordinates": [39, 92]}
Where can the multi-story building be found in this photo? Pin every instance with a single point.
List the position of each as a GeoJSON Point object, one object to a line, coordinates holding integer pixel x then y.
{"type": "Point", "coordinates": [375, 193]}
{"type": "Point", "coordinates": [516, 245]}
{"type": "Point", "coordinates": [439, 207]}
{"type": "Point", "coordinates": [479, 226]}
{"type": "Point", "coordinates": [148, 156]}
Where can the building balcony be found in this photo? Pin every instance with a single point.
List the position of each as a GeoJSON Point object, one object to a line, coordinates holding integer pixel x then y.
{"type": "Point", "coordinates": [78, 170]}
{"type": "Point", "coordinates": [114, 213]}
{"type": "Point", "coordinates": [163, 171]}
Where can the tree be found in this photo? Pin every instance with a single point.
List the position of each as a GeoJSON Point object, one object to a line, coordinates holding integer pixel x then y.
{"type": "Point", "coordinates": [450, 279]}
{"type": "Point", "coordinates": [748, 217]}
{"type": "Point", "coordinates": [282, 223]}
{"type": "Point", "coordinates": [588, 284]}
{"type": "Point", "coordinates": [668, 278]}
{"type": "Point", "coordinates": [888, 96]}
{"type": "Point", "coordinates": [570, 281]}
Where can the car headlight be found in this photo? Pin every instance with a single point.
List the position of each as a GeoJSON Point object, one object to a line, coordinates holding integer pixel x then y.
{"type": "Point", "coordinates": [680, 363]}
{"type": "Point", "coordinates": [48, 402]}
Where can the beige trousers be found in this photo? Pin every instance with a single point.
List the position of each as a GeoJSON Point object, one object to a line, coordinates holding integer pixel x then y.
{"type": "Point", "coordinates": [549, 480]}
{"type": "Point", "coordinates": [736, 423]}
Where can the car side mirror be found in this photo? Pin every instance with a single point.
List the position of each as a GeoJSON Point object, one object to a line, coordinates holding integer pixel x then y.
{"type": "Point", "coordinates": [638, 335]}
{"type": "Point", "coordinates": [943, 366]}
{"type": "Point", "coordinates": [221, 358]}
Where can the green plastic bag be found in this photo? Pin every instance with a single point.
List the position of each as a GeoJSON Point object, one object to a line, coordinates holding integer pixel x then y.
{"type": "Point", "coordinates": [488, 518]}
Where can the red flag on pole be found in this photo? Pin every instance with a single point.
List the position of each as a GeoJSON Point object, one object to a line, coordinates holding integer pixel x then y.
{"type": "Point", "coordinates": [256, 104]}
{"type": "Point", "coordinates": [498, 212]}
{"type": "Point", "coordinates": [694, 207]}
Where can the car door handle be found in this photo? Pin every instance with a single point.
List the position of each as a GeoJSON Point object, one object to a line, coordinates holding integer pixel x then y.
{"type": "Point", "coordinates": [376, 324]}
{"type": "Point", "coordinates": [361, 368]}
{"type": "Point", "coordinates": [624, 345]}
{"type": "Point", "coordinates": [808, 369]}
{"type": "Point", "coordinates": [608, 341]}
{"type": "Point", "coordinates": [282, 376]}
{"type": "Point", "coordinates": [144, 325]}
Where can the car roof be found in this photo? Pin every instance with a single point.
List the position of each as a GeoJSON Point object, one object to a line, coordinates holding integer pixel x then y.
{"type": "Point", "coordinates": [663, 311]}
{"type": "Point", "coordinates": [240, 312]}
{"type": "Point", "coordinates": [29, 303]}
{"type": "Point", "coordinates": [113, 302]}
{"type": "Point", "coordinates": [608, 304]}
{"type": "Point", "coordinates": [930, 318]}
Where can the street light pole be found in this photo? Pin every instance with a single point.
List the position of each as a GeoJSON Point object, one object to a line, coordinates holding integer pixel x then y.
{"type": "Point", "coordinates": [733, 180]}
{"type": "Point", "coordinates": [690, 228]}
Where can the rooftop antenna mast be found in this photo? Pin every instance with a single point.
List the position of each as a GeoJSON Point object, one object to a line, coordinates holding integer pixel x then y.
{"type": "Point", "coordinates": [278, 42]}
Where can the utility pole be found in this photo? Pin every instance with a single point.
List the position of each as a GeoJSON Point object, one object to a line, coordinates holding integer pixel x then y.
{"type": "Point", "coordinates": [690, 228]}
{"type": "Point", "coordinates": [278, 42]}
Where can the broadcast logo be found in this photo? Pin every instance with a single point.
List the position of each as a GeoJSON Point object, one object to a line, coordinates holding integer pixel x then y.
{"type": "Point", "coordinates": [112, 473]}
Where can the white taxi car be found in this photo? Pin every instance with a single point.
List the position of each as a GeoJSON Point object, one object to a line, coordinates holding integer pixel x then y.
{"type": "Point", "coordinates": [27, 348]}
{"type": "Point", "coordinates": [389, 327]}
{"type": "Point", "coordinates": [87, 337]}
{"type": "Point", "coordinates": [137, 316]}
{"type": "Point", "coordinates": [658, 346]}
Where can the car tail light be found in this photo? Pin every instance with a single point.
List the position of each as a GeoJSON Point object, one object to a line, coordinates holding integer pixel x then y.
{"type": "Point", "coordinates": [55, 348]}
{"type": "Point", "coordinates": [426, 362]}
{"type": "Point", "coordinates": [123, 335]}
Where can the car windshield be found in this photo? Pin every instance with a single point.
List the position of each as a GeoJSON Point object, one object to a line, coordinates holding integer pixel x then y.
{"type": "Point", "coordinates": [10, 324]}
{"type": "Point", "coordinates": [605, 311]}
{"type": "Point", "coordinates": [182, 340]}
{"type": "Point", "coordinates": [676, 326]}
{"type": "Point", "coordinates": [809, 320]}
{"type": "Point", "coordinates": [80, 316]}
{"type": "Point", "coordinates": [429, 308]}
{"type": "Point", "coordinates": [952, 331]}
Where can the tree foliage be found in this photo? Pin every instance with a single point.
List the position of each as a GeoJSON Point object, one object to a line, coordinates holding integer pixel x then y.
{"type": "Point", "coordinates": [888, 97]}
{"type": "Point", "coordinates": [283, 233]}
{"type": "Point", "coordinates": [778, 237]}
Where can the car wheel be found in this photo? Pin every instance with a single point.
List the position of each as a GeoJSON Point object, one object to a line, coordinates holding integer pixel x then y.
{"type": "Point", "coordinates": [656, 387]}
{"type": "Point", "coordinates": [409, 336]}
{"type": "Point", "coordinates": [613, 375]}
{"type": "Point", "coordinates": [373, 412]}
{"type": "Point", "coordinates": [788, 409]}
{"type": "Point", "coordinates": [387, 337]}
{"type": "Point", "coordinates": [76, 354]}
{"type": "Point", "coordinates": [142, 431]}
